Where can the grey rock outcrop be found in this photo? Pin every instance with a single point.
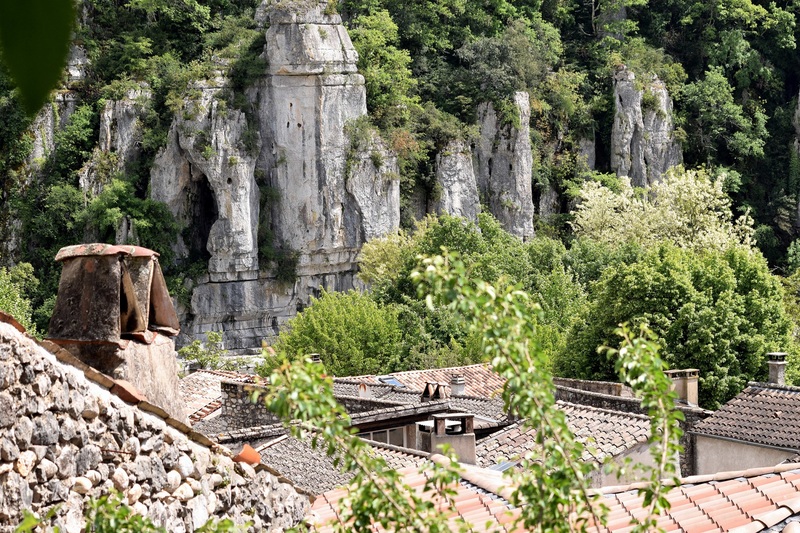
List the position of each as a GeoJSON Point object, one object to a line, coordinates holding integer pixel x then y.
{"type": "Point", "coordinates": [70, 440]}
{"type": "Point", "coordinates": [207, 153]}
{"type": "Point", "coordinates": [119, 142]}
{"type": "Point", "coordinates": [504, 162]}
{"type": "Point", "coordinates": [326, 194]}
{"type": "Point", "coordinates": [458, 191]}
{"type": "Point", "coordinates": [643, 144]}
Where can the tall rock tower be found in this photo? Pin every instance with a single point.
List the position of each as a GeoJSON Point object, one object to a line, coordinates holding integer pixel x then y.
{"type": "Point", "coordinates": [303, 192]}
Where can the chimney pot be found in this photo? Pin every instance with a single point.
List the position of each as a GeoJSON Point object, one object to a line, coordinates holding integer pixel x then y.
{"type": "Point", "coordinates": [684, 383]}
{"type": "Point", "coordinates": [457, 385]}
{"type": "Point", "coordinates": [777, 368]}
{"type": "Point", "coordinates": [315, 358]}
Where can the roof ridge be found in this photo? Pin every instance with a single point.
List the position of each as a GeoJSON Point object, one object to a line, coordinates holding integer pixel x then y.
{"type": "Point", "coordinates": [772, 386]}
{"type": "Point", "coordinates": [703, 478]}
{"type": "Point", "coordinates": [395, 448]}
{"type": "Point", "coordinates": [604, 410]}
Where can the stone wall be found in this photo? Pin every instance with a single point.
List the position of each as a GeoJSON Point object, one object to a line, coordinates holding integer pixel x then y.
{"type": "Point", "coordinates": [603, 387]}
{"type": "Point", "coordinates": [238, 409]}
{"type": "Point", "coordinates": [65, 438]}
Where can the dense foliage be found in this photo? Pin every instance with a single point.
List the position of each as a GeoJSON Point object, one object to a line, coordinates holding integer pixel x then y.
{"type": "Point", "coordinates": [730, 67]}
{"type": "Point", "coordinates": [551, 489]}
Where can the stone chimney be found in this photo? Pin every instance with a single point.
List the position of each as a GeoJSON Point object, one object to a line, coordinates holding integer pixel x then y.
{"type": "Point", "coordinates": [684, 383]}
{"type": "Point", "coordinates": [777, 368]}
{"type": "Point", "coordinates": [457, 385]}
{"type": "Point", "coordinates": [113, 312]}
{"type": "Point", "coordinates": [454, 429]}
{"type": "Point", "coordinates": [434, 391]}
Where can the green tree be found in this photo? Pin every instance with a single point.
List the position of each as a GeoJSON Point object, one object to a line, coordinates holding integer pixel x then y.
{"type": "Point", "coordinates": [723, 128]}
{"type": "Point", "coordinates": [386, 69]}
{"type": "Point", "coordinates": [211, 354]}
{"type": "Point", "coordinates": [717, 311]}
{"type": "Point", "coordinates": [351, 333]}
{"type": "Point", "coordinates": [15, 283]}
{"type": "Point", "coordinates": [551, 490]}
{"type": "Point", "coordinates": [686, 208]}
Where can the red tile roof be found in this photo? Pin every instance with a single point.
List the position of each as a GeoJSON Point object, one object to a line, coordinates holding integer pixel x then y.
{"type": "Point", "coordinates": [483, 509]}
{"type": "Point", "coordinates": [751, 500]}
{"type": "Point", "coordinates": [763, 413]}
{"type": "Point", "coordinates": [480, 379]}
{"type": "Point", "coordinates": [604, 433]}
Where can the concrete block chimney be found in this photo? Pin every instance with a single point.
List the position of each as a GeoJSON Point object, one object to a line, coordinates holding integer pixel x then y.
{"type": "Point", "coordinates": [684, 383]}
{"type": "Point", "coordinates": [777, 368]}
{"type": "Point", "coordinates": [457, 385]}
{"type": "Point", "coordinates": [454, 429]}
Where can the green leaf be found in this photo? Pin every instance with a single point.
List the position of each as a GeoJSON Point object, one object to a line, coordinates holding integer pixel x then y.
{"type": "Point", "coordinates": [34, 41]}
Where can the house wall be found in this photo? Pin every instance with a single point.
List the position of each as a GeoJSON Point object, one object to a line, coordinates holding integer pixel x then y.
{"type": "Point", "coordinates": [638, 455]}
{"type": "Point", "coordinates": [719, 455]}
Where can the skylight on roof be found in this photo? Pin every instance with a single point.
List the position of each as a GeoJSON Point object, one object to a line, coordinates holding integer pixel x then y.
{"type": "Point", "coordinates": [390, 380]}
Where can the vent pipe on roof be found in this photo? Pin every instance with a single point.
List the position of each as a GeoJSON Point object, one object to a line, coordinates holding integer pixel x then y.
{"type": "Point", "coordinates": [777, 368]}
{"type": "Point", "coordinates": [364, 391]}
{"type": "Point", "coordinates": [684, 383]}
{"type": "Point", "coordinates": [457, 385]}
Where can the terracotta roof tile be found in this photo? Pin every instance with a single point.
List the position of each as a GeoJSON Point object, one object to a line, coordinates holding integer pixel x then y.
{"type": "Point", "coordinates": [603, 432]}
{"type": "Point", "coordinates": [751, 500]}
{"type": "Point", "coordinates": [311, 469]}
{"type": "Point", "coordinates": [763, 413]}
{"type": "Point", "coordinates": [479, 379]}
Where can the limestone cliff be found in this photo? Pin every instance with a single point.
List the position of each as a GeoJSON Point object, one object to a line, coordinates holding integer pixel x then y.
{"type": "Point", "coordinates": [503, 163]}
{"type": "Point", "coordinates": [458, 190]}
{"type": "Point", "coordinates": [643, 144]}
{"type": "Point", "coordinates": [326, 194]}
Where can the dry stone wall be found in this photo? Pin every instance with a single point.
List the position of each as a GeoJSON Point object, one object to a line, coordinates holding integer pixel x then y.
{"type": "Point", "coordinates": [65, 439]}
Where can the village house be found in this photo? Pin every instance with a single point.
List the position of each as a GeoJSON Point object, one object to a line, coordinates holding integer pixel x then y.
{"type": "Point", "coordinates": [760, 427]}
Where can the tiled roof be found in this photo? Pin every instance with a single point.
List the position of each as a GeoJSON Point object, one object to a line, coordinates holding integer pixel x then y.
{"type": "Point", "coordinates": [201, 391]}
{"type": "Point", "coordinates": [475, 504]}
{"type": "Point", "coordinates": [747, 501]}
{"type": "Point", "coordinates": [485, 406]}
{"type": "Point", "coordinates": [761, 414]}
{"type": "Point", "coordinates": [313, 470]}
{"type": "Point", "coordinates": [751, 500]}
{"type": "Point", "coordinates": [480, 380]}
{"type": "Point", "coordinates": [603, 432]}
{"type": "Point", "coordinates": [377, 391]}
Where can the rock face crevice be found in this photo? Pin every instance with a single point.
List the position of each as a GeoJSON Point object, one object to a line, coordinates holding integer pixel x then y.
{"type": "Point", "coordinates": [212, 142]}
{"type": "Point", "coordinates": [65, 439]}
{"type": "Point", "coordinates": [643, 143]}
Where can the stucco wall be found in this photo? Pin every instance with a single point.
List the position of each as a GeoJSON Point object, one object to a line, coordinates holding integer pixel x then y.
{"type": "Point", "coordinates": [719, 455]}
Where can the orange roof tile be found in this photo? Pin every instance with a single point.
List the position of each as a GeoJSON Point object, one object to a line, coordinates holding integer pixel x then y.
{"type": "Point", "coordinates": [722, 502]}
